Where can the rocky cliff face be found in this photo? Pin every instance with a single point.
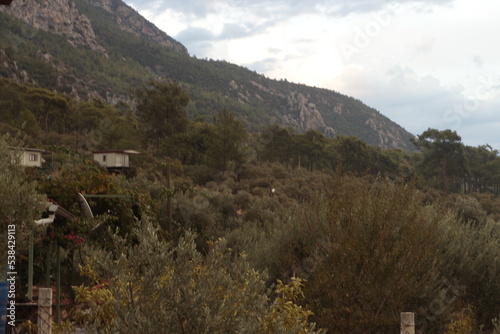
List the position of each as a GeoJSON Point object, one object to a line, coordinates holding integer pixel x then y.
{"type": "Point", "coordinates": [303, 114]}
{"type": "Point", "coordinates": [62, 17]}
{"type": "Point", "coordinates": [56, 16]}
{"type": "Point", "coordinates": [322, 111]}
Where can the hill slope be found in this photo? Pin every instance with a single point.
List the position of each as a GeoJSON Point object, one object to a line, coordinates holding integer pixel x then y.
{"type": "Point", "coordinates": [105, 49]}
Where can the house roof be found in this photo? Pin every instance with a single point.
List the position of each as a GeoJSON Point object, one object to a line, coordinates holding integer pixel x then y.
{"type": "Point", "coordinates": [117, 151]}
{"type": "Point", "coordinates": [27, 149]}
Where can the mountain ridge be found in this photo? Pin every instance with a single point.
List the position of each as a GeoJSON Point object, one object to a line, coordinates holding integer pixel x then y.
{"type": "Point", "coordinates": [104, 49]}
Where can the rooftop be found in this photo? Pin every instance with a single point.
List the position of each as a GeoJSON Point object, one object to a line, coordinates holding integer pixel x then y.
{"type": "Point", "coordinates": [118, 151]}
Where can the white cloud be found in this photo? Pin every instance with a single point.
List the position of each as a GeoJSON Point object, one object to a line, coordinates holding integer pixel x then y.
{"type": "Point", "coordinates": [424, 45]}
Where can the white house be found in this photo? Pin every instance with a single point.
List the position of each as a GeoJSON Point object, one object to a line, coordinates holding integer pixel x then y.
{"type": "Point", "coordinates": [30, 157]}
{"type": "Point", "coordinates": [114, 159]}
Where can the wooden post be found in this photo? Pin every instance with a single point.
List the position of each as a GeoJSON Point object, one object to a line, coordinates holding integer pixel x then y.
{"type": "Point", "coordinates": [30, 267]}
{"type": "Point", "coordinates": [407, 323]}
{"type": "Point", "coordinates": [169, 202]}
{"type": "Point", "coordinates": [58, 285]}
{"type": "Point", "coordinates": [47, 267]}
{"type": "Point", "coordinates": [45, 311]}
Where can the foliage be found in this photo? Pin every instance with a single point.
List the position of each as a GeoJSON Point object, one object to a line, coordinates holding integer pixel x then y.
{"type": "Point", "coordinates": [274, 196]}
{"type": "Point", "coordinates": [20, 202]}
{"type": "Point", "coordinates": [496, 325]}
{"type": "Point", "coordinates": [95, 302]}
{"type": "Point", "coordinates": [63, 327]}
{"type": "Point", "coordinates": [162, 111]}
{"type": "Point", "coordinates": [27, 122]}
{"type": "Point", "coordinates": [228, 136]}
{"type": "Point", "coordinates": [191, 147]}
{"type": "Point", "coordinates": [286, 316]}
{"type": "Point", "coordinates": [464, 322]}
{"type": "Point", "coordinates": [473, 265]}
{"type": "Point", "coordinates": [277, 144]}
{"type": "Point", "coordinates": [345, 242]}
{"type": "Point", "coordinates": [29, 327]}
{"type": "Point", "coordinates": [443, 158]}
{"type": "Point", "coordinates": [175, 289]}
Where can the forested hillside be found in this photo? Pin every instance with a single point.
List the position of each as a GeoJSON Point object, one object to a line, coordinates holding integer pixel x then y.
{"type": "Point", "coordinates": [103, 49]}
{"type": "Point", "coordinates": [220, 230]}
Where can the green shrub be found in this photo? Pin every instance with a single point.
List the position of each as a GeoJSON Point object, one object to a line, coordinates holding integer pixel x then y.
{"type": "Point", "coordinates": [158, 287]}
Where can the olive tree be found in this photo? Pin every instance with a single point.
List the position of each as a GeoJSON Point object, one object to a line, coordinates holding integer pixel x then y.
{"type": "Point", "coordinates": [158, 287]}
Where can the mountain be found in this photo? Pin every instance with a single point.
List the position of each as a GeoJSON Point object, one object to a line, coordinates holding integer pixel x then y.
{"type": "Point", "coordinates": [104, 49]}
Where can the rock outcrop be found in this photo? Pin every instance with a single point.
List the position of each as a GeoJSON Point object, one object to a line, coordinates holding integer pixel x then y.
{"type": "Point", "coordinates": [62, 17]}
{"type": "Point", "coordinates": [56, 16]}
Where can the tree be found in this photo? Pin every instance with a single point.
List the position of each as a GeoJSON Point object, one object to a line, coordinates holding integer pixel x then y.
{"type": "Point", "coordinates": [229, 134]}
{"type": "Point", "coordinates": [473, 264]}
{"type": "Point", "coordinates": [354, 154]}
{"type": "Point", "coordinates": [157, 287]}
{"type": "Point", "coordinates": [278, 144]}
{"type": "Point", "coordinates": [20, 203]}
{"type": "Point", "coordinates": [27, 122]}
{"type": "Point", "coordinates": [162, 108]}
{"type": "Point", "coordinates": [443, 157]}
{"type": "Point", "coordinates": [53, 109]}
{"type": "Point", "coordinates": [483, 164]}
{"type": "Point", "coordinates": [312, 146]}
{"type": "Point", "coordinates": [191, 146]}
{"type": "Point", "coordinates": [367, 250]}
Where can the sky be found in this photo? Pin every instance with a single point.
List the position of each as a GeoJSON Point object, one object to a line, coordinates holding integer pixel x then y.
{"type": "Point", "coordinates": [424, 64]}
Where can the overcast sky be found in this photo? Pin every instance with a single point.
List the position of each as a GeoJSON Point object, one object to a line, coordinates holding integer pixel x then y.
{"type": "Point", "coordinates": [427, 63]}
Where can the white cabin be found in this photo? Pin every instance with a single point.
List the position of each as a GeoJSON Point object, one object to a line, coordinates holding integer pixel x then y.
{"type": "Point", "coordinates": [114, 159]}
{"type": "Point", "coordinates": [30, 157]}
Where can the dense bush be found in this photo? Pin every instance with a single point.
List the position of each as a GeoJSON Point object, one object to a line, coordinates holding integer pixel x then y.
{"type": "Point", "coordinates": [159, 287]}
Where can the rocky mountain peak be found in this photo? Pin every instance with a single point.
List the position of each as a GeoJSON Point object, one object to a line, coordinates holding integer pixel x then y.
{"type": "Point", "coordinates": [129, 20]}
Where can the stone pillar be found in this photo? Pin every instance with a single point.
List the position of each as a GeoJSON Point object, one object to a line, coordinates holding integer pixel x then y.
{"type": "Point", "coordinates": [45, 311]}
{"type": "Point", "coordinates": [407, 323]}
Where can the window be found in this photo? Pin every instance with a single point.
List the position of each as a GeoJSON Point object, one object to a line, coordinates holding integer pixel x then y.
{"type": "Point", "coordinates": [103, 158]}
{"type": "Point", "coordinates": [33, 157]}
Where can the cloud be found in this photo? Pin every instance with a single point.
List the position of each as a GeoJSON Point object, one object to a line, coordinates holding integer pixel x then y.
{"type": "Point", "coordinates": [233, 30]}
{"type": "Point", "coordinates": [200, 8]}
{"type": "Point", "coordinates": [424, 45]}
{"type": "Point", "coordinates": [478, 61]}
{"type": "Point", "coordinates": [274, 9]}
{"type": "Point", "coordinates": [263, 65]}
{"type": "Point", "coordinates": [195, 34]}
{"type": "Point", "coordinates": [398, 91]}
{"type": "Point", "coordinates": [198, 40]}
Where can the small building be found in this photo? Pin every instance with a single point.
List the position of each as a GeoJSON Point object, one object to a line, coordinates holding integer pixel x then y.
{"type": "Point", "coordinates": [115, 161]}
{"type": "Point", "coordinates": [30, 157]}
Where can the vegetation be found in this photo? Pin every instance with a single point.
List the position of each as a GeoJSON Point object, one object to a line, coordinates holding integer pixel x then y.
{"type": "Point", "coordinates": [51, 61]}
{"type": "Point", "coordinates": [221, 230]}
